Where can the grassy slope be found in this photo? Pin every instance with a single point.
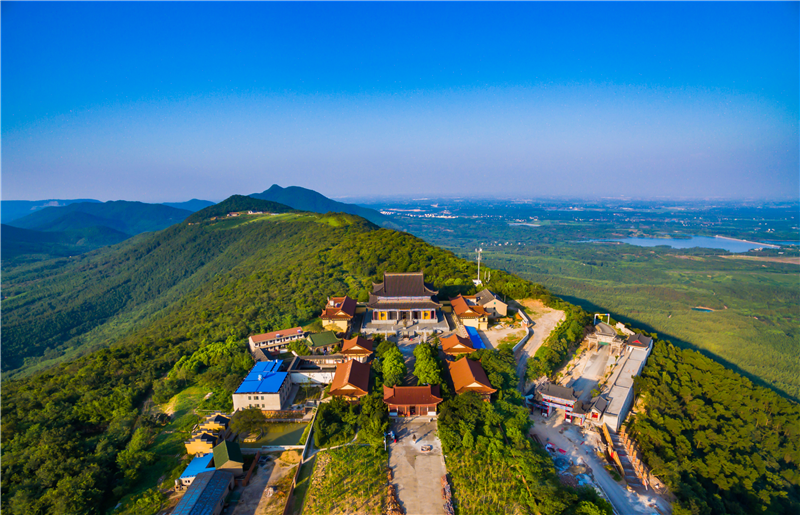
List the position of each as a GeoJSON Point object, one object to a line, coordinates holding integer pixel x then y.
{"type": "Point", "coordinates": [757, 333]}
{"type": "Point", "coordinates": [167, 445]}
{"type": "Point", "coordinates": [350, 479]}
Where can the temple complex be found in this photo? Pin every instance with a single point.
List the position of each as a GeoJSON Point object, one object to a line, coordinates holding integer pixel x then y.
{"type": "Point", "coordinates": [403, 303]}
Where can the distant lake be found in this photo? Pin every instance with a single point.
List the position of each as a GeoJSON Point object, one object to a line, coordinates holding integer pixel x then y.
{"type": "Point", "coordinates": [688, 243]}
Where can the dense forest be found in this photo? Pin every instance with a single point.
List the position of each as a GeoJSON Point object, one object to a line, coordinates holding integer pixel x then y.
{"type": "Point", "coordinates": [490, 459]}
{"type": "Point", "coordinates": [183, 289]}
{"type": "Point", "coordinates": [721, 444]}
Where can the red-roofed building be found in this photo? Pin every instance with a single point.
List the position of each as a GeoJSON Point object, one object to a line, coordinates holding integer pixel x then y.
{"type": "Point", "coordinates": [468, 376]}
{"type": "Point", "coordinates": [338, 312]}
{"type": "Point", "coordinates": [358, 348]}
{"type": "Point", "coordinates": [469, 313]}
{"type": "Point", "coordinates": [351, 381]}
{"type": "Point", "coordinates": [407, 401]}
{"type": "Point", "coordinates": [455, 345]}
{"type": "Point", "coordinates": [276, 340]}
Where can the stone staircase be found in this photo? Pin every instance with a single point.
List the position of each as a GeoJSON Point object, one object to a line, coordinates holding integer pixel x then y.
{"type": "Point", "coordinates": [630, 472]}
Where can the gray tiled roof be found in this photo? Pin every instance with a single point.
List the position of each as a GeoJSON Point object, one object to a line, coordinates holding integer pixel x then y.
{"type": "Point", "coordinates": [403, 285]}
{"type": "Point", "coordinates": [556, 390]}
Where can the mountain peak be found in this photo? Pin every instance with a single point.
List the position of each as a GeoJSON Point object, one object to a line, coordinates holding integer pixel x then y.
{"type": "Point", "coordinates": [304, 199]}
{"type": "Point", "coordinates": [236, 203]}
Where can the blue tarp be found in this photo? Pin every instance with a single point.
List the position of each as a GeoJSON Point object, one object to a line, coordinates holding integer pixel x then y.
{"type": "Point", "coordinates": [263, 378]}
{"type": "Point", "coordinates": [477, 341]}
{"type": "Point", "coordinates": [198, 465]}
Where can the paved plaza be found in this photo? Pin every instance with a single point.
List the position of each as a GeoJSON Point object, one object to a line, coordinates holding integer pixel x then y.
{"type": "Point", "coordinates": [417, 476]}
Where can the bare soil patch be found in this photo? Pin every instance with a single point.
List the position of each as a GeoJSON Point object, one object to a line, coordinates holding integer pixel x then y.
{"type": "Point", "coordinates": [792, 260]}
{"type": "Point", "coordinates": [534, 307]}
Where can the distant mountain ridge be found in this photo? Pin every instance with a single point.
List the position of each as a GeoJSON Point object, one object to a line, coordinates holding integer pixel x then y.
{"type": "Point", "coordinates": [11, 210]}
{"type": "Point", "coordinates": [304, 199]}
{"type": "Point", "coordinates": [128, 217]}
{"type": "Point", "coordinates": [193, 205]}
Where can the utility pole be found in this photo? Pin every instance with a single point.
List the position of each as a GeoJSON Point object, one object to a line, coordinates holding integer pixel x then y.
{"type": "Point", "coordinates": [478, 251]}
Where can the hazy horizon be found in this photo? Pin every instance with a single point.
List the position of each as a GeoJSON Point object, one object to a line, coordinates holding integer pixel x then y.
{"type": "Point", "coordinates": [560, 100]}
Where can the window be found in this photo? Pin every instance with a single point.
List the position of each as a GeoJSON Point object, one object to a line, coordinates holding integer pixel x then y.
{"type": "Point", "coordinates": [248, 398]}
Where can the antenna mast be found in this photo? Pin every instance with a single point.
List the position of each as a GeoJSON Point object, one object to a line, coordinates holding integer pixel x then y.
{"type": "Point", "coordinates": [478, 251]}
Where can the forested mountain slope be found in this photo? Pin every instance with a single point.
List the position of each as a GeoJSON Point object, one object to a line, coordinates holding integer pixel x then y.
{"type": "Point", "coordinates": [238, 204]}
{"type": "Point", "coordinates": [159, 297]}
{"type": "Point", "coordinates": [57, 309]}
{"type": "Point", "coordinates": [28, 245]}
{"type": "Point", "coordinates": [128, 217]}
{"type": "Point", "coordinates": [721, 444]}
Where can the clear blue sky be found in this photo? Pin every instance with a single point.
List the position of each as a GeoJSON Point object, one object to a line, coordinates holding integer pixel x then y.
{"type": "Point", "coordinates": [169, 101]}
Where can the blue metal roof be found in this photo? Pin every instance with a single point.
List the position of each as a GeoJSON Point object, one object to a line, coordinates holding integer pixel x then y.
{"type": "Point", "coordinates": [477, 341]}
{"type": "Point", "coordinates": [199, 464]}
{"type": "Point", "coordinates": [207, 492]}
{"type": "Point", "coordinates": [263, 378]}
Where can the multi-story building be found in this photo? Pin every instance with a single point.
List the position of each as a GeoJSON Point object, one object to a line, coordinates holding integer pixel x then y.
{"type": "Point", "coordinates": [470, 314]}
{"type": "Point", "coordinates": [402, 297]}
{"type": "Point", "coordinates": [276, 340]}
{"type": "Point", "coordinates": [338, 313]}
{"type": "Point", "coordinates": [265, 388]}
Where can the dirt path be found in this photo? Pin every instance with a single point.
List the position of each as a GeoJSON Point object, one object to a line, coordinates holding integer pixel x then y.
{"type": "Point", "coordinates": [581, 447]}
{"type": "Point", "coordinates": [254, 499]}
{"type": "Point", "coordinates": [544, 321]}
